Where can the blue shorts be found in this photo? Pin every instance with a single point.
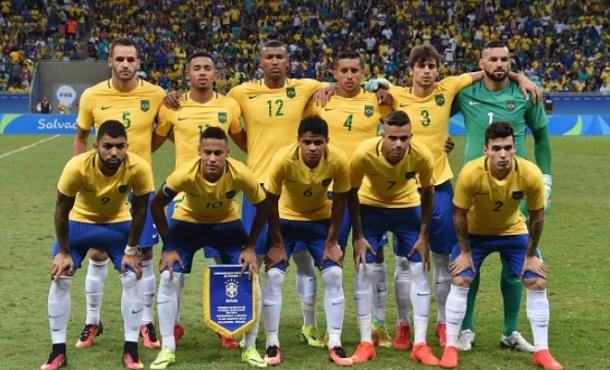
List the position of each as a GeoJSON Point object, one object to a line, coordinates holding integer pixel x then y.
{"type": "Point", "coordinates": [442, 233]}
{"type": "Point", "coordinates": [305, 234]}
{"type": "Point", "coordinates": [208, 252]}
{"type": "Point", "coordinates": [248, 212]}
{"type": "Point", "coordinates": [149, 236]}
{"type": "Point", "coordinates": [512, 249]}
{"type": "Point", "coordinates": [112, 238]}
{"type": "Point", "coordinates": [226, 238]}
{"type": "Point", "coordinates": [404, 223]}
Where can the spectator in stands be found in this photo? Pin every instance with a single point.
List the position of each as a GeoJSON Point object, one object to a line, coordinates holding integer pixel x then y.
{"type": "Point", "coordinates": [44, 106]}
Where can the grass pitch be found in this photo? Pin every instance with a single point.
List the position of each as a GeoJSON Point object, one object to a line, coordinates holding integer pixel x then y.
{"type": "Point", "coordinates": [574, 245]}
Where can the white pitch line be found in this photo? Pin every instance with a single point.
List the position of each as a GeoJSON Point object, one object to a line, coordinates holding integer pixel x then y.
{"type": "Point", "coordinates": [28, 146]}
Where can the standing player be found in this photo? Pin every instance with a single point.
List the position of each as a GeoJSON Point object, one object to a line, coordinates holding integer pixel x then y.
{"type": "Point", "coordinates": [200, 107]}
{"type": "Point", "coordinates": [135, 103]}
{"type": "Point", "coordinates": [91, 210]}
{"type": "Point", "coordinates": [487, 219]}
{"type": "Point", "coordinates": [300, 177]}
{"type": "Point", "coordinates": [492, 99]}
{"type": "Point", "coordinates": [353, 116]}
{"type": "Point", "coordinates": [208, 216]}
{"type": "Point", "coordinates": [384, 198]}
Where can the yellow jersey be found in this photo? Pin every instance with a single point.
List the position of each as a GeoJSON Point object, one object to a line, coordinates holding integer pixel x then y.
{"type": "Point", "coordinates": [492, 204]}
{"type": "Point", "coordinates": [101, 198]}
{"type": "Point", "coordinates": [430, 118]}
{"type": "Point", "coordinates": [212, 202]}
{"type": "Point", "coordinates": [192, 118]}
{"type": "Point", "coordinates": [136, 109]}
{"type": "Point", "coordinates": [351, 120]}
{"type": "Point", "coordinates": [304, 191]}
{"type": "Point", "coordinates": [272, 117]}
{"type": "Point", "coordinates": [384, 185]}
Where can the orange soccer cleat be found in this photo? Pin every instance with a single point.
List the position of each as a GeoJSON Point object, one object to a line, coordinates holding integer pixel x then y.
{"type": "Point", "coordinates": [55, 361]}
{"type": "Point", "coordinates": [544, 359]}
{"type": "Point", "coordinates": [149, 333]}
{"type": "Point", "coordinates": [364, 352]}
{"type": "Point", "coordinates": [90, 331]}
{"type": "Point", "coordinates": [423, 353]}
{"type": "Point", "coordinates": [402, 339]}
{"type": "Point", "coordinates": [339, 357]}
{"type": "Point", "coordinates": [450, 358]}
{"type": "Point", "coordinates": [441, 333]}
{"type": "Point", "coordinates": [131, 363]}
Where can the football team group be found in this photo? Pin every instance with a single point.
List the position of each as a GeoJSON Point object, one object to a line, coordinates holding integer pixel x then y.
{"type": "Point", "coordinates": [324, 161]}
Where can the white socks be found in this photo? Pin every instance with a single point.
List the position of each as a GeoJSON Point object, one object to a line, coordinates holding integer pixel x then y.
{"type": "Point", "coordinates": [455, 312]}
{"type": "Point", "coordinates": [59, 308]}
{"type": "Point", "coordinates": [442, 283]}
{"type": "Point", "coordinates": [97, 272]}
{"type": "Point", "coordinates": [538, 314]}
{"type": "Point", "coordinates": [272, 305]}
{"type": "Point", "coordinates": [402, 288]}
{"type": "Point", "coordinates": [131, 306]}
{"type": "Point", "coordinates": [363, 296]}
{"type": "Point", "coordinates": [167, 307]}
{"type": "Point", "coordinates": [380, 291]}
{"type": "Point", "coordinates": [420, 297]}
{"type": "Point", "coordinates": [334, 304]}
{"type": "Point", "coordinates": [306, 285]}
{"type": "Point", "coordinates": [250, 336]}
{"type": "Point", "coordinates": [179, 300]}
{"type": "Point", "coordinates": [147, 287]}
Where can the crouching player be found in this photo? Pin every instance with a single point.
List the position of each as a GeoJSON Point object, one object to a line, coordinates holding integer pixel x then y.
{"type": "Point", "coordinates": [488, 193]}
{"type": "Point", "coordinates": [300, 177]}
{"type": "Point", "coordinates": [208, 216]}
{"type": "Point", "coordinates": [92, 211]}
{"type": "Point", "coordinates": [388, 200]}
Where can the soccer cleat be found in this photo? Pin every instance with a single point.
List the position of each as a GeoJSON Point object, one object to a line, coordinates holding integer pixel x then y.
{"type": "Point", "coordinates": [339, 357]}
{"type": "Point", "coordinates": [228, 342]}
{"type": "Point", "coordinates": [381, 337]}
{"type": "Point", "coordinates": [423, 353]}
{"type": "Point", "coordinates": [90, 331]}
{"type": "Point", "coordinates": [402, 339]}
{"type": "Point", "coordinates": [516, 341]}
{"type": "Point", "coordinates": [253, 358]}
{"type": "Point", "coordinates": [310, 335]}
{"type": "Point", "coordinates": [544, 359]}
{"type": "Point", "coordinates": [164, 359]}
{"type": "Point", "coordinates": [55, 361]}
{"type": "Point", "coordinates": [364, 352]}
{"type": "Point", "coordinates": [450, 358]}
{"type": "Point", "coordinates": [441, 333]}
{"type": "Point", "coordinates": [178, 332]}
{"type": "Point", "coordinates": [466, 340]}
{"type": "Point", "coordinates": [272, 355]}
{"type": "Point", "coordinates": [149, 333]}
{"type": "Point", "coordinates": [131, 363]}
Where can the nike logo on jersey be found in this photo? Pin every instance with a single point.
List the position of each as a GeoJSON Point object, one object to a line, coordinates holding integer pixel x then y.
{"type": "Point", "coordinates": [252, 96]}
{"type": "Point", "coordinates": [402, 105]}
{"type": "Point", "coordinates": [329, 109]}
{"type": "Point", "coordinates": [481, 193]}
{"type": "Point", "coordinates": [88, 190]}
{"type": "Point", "coordinates": [470, 102]}
{"type": "Point", "coordinates": [182, 118]}
{"type": "Point", "coordinates": [155, 235]}
{"type": "Point", "coordinates": [108, 107]}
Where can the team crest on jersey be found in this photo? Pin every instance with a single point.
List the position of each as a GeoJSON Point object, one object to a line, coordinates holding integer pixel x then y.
{"type": "Point", "coordinates": [144, 105]}
{"type": "Point", "coordinates": [222, 117]}
{"type": "Point", "coordinates": [518, 194]}
{"type": "Point", "coordinates": [230, 194]}
{"type": "Point", "coordinates": [122, 188]}
{"type": "Point", "coordinates": [291, 92]}
{"type": "Point", "coordinates": [440, 99]}
{"type": "Point", "coordinates": [510, 105]}
{"type": "Point", "coordinates": [231, 288]}
{"type": "Point", "coordinates": [410, 175]}
{"type": "Point", "coordinates": [326, 182]}
{"type": "Point", "coordinates": [368, 110]}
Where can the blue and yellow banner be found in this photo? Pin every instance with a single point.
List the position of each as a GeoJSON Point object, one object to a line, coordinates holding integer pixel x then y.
{"type": "Point", "coordinates": [229, 299]}
{"type": "Point", "coordinates": [47, 124]}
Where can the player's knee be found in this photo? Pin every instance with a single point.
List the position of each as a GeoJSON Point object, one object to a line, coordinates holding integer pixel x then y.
{"type": "Point", "coordinates": [129, 280]}
{"type": "Point", "coordinates": [98, 255]}
{"type": "Point", "coordinates": [275, 279]}
{"type": "Point", "coordinates": [167, 284]}
{"type": "Point", "coordinates": [333, 278]}
{"type": "Point", "coordinates": [461, 281]}
{"type": "Point", "coordinates": [535, 283]}
{"type": "Point", "coordinates": [147, 254]}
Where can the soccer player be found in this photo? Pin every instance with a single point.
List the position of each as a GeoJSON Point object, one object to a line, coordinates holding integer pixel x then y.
{"type": "Point", "coordinates": [492, 99]}
{"type": "Point", "coordinates": [384, 198]}
{"type": "Point", "coordinates": [488, 192]}
{"type": "Point", "coordinates": [135, 103]}
{"type": "Point", "coordinates": [91, 210]}
{"type": "Point", "coordinates": [208, 216]}
{"type": "Point", "coordinates": [353, 116]}
{"type": "Point", "coordinates": [300, 177]}
{"type": "Point", "coordinates": [200, 107]}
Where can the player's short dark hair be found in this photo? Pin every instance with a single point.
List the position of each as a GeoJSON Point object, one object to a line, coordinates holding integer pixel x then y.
{"type": "Point", "coordinates": [213, 132]}
{"type": "Point", "coordinates": [124, 41]}
{"type": "Point", "coordinates": [422, 53]}
{"type": "Point", "coordinates": [494, 44]}
{"type": "Point", "coordinates": [348, 54]}
{"type": "Point", "coordinates": [274, 43]}
{"type": "Point", "coordinates": [499, 129]}
{"type": "Point", "coordinates": [112, 128]}
{"type": "Point", "coordinates": [314, 124]}
{"type": "Point", "coordinates": [199, 54]}
{"type": "Point", "coordinates": [397, 118]}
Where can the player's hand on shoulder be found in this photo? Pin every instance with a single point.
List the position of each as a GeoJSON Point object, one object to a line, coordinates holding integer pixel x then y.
{"type": "Point", "coordinates": [322, 96]}
{"type": "Point", "coordinates": [172, 100]}
{"type": "Point", "coordinates": [248, 259]}
{"type": "Point", "coordinates": [527, 87]}
{"type": "Point", "coordinates": [384, 97]}
{"type": "Point", "coordinates": [361, 246]}
{"type": "Point", "coordinates": [62, 265]}
{"type": "Point", "coordinates": [461, 264]}
{"type": "Point", "coordinates": [449, 145]}
{"type": "Point", "coordinates": [333, 252]}
{"type": "Point", "coordinates": [276, 254]}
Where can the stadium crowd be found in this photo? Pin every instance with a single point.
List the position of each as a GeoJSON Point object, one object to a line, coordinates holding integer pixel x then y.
{"type": "Point", "coordinates": [563, 44]}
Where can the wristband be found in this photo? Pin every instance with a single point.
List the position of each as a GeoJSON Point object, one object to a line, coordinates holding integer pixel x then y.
{"type": "Point", "coordinates": [132, 251]}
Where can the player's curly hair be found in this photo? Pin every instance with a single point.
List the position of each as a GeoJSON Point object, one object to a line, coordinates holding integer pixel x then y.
{"type": "Point", "coordinates": [499, 129]}
{"type": "Point", "coordinates": [423, 53]}
{"type": "Point", "coordinates": [314, 124]}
